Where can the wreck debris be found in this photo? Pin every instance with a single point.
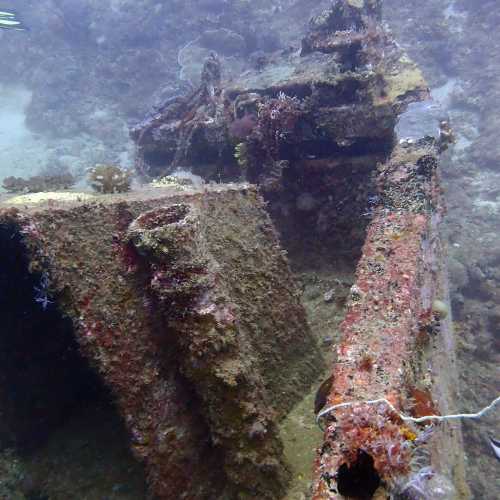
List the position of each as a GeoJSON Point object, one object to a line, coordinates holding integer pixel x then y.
{"type": "Point", "coordinates": [310, 130]}
{"type": "Point", "coordinates": [399, 277]}
{"type": "Point", "coordinates": [184, 301]}
{"type": "Point", "coordinates": [184, 304]}
{"type": "Point", "coordinates": [346, 30]}
{"type": "Point", "coordinates": [179, 124]}
{"type": "Point", "coordinates": [304, 127]}
{"type": "Point", "coordinates": [300, 109]}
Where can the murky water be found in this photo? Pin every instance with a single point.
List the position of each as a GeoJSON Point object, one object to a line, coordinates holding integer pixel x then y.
{"type": "Point", "coordinates": [79, 75]}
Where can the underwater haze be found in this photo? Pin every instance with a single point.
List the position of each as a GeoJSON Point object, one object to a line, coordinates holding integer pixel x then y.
{"type": "Point", "coordinates": [221, 162]}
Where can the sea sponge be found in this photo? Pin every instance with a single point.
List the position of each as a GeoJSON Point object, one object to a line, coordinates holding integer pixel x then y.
{"type": "Point", "coordinates": [440, 308]}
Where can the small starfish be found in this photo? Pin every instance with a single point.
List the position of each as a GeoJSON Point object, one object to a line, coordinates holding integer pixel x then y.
{"type": "Point", "coordinates": [42, 298]}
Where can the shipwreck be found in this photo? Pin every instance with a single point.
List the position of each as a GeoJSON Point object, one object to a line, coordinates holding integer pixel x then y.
{"type": "Point", "coordinates": [181, 301]}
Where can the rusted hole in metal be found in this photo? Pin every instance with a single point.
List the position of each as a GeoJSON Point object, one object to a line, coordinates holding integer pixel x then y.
{"type": "Point", "coordinates": [360, 480]}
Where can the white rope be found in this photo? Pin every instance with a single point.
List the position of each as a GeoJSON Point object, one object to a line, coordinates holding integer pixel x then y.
{"type": "Point", "coordinates": [438, 418]}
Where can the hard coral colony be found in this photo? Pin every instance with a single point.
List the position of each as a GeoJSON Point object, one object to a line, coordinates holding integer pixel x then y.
{"type": "Point", "coordinates": [108, 179]}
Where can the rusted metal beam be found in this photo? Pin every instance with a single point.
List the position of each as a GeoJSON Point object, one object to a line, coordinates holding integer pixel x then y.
{"type": "Point", "coordinates": [184, 304]}
{"type": "Point", "coordinates": [396, 345]}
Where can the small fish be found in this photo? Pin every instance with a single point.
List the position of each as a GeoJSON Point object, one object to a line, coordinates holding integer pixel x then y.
{"type": "Point", "coordinates": [322, 394]}
{"type": "Point", "coordinates": [8, 20]}
{"type": "Point", "coordinates": [495, 444]}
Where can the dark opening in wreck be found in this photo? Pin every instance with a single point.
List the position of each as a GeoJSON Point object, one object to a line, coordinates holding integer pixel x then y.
{"type": "Point", "coordinates": [44, 376]}
{"type": "Point", "coordinates": [359, 480]}
{"type": "Point", "coordinates": [50, 393]}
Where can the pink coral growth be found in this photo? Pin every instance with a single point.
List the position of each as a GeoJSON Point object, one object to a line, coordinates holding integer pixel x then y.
{"type": "Point", "coordinates": [242, 127]}
{"type": "Point", "coordinates": [277, 119]}
{"type": "Point", "coordinates": [380, 433]}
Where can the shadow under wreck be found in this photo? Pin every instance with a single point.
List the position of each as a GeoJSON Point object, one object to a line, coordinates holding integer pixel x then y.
{"type": "Point", "coordinates": [54, 405]}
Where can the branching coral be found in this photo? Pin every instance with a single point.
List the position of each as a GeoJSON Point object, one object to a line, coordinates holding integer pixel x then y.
{"type": "Point", "coordinates": [109, 179]}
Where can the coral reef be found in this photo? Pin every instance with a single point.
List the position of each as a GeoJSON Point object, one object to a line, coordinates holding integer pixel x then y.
{"type": "Point", "coordinates": [38, 183]}
{"type": "Point", "coordinates": [89, 69]}
{"type": "Point", "coordinates": [86, 53]}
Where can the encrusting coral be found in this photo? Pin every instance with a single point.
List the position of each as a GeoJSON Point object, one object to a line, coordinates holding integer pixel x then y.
{"type": "Point", "coordinates": [38, 183]}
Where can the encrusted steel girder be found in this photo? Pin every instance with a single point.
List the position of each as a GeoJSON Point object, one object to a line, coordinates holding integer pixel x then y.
{"type": "Point", "coordinates": [396, 345]}
{"type": "Point", "coordinates": [184, 304]}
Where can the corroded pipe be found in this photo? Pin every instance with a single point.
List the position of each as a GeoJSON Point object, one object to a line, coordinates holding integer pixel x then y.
{"type": "Point", "coordinates": [396, 346]}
